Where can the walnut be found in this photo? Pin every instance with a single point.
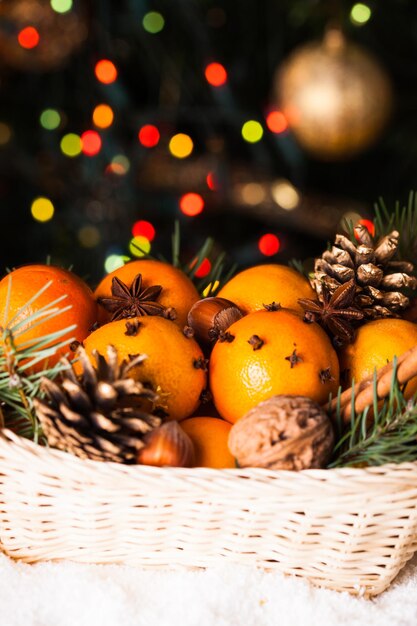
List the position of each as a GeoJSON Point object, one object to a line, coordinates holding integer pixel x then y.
{"type": "Point", "coordinates": [283, 432]}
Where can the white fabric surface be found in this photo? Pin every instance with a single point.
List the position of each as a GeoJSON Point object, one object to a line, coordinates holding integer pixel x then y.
{"type": "Point", "coordinates": [72, 594]}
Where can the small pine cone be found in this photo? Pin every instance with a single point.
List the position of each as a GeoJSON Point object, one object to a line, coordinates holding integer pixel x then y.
{"type": "Point", "coordinates": [102, 414]}
{"type": "Point", "coordinates": [383, 284]}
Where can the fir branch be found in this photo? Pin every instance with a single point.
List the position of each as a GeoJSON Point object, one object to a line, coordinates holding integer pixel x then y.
{"type": "Point", "coordinates": [19, 384]}
{"type": "Point", "coordinates": [403, 219]}
{"type": "Point", "coordinates": [385, 434]}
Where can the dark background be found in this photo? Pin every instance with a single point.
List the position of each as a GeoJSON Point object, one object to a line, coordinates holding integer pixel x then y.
{"type": "Point", "coordinates": [161, 81]}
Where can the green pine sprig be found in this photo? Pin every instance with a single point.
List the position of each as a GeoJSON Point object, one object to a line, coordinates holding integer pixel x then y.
{"type": "Point", "coordinates": [19, 383]}
{"type": "Point", "coordinates": [383, 433]}
{"type": "Point", "coordinates": [221, 271]}
{"type": "Point", "coordinates": [402, 218]}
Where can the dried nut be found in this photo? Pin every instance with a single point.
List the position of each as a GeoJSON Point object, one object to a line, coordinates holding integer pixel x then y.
{"type": "Point", "coordinates": [210, 317]}
{"type": "Point", "coordinates": [167, 445]}
{"type": "Point", "coordinates": [283, 432]}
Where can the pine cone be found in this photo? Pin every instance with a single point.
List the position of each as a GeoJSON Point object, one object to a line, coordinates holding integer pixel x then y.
{"type": "Point", "coordinates": [102, 414]}
{"type": "Point", "coordinates": [381, 281]}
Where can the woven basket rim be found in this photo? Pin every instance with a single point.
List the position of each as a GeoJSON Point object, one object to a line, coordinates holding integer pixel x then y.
{"type": "Point", "coordinates": [249, 472]}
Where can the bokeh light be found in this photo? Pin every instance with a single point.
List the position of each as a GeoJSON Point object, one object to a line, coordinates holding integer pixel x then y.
{"type": "Point", "coordinates": [90, 143]}
{"type": "Point", "coordinates": [269, 244]}
{"type": "Point", "coordinates": [5, 134]}
{"type": "Point", "coordinates": [360, 14]}
{"type": "Point", "coordinates": [149, 136]}
{"type": "Point", "coordinates": [211, 181]}
{"type": "Point", "coordinates": [89, 236]}
{"type": "Point", "coordinates": [140, 246]}
{"type": "Point", "coordinates": [285, 195]}
{"type": "Point", "coordinates": [191, 204]}
{"type": "Point", "coordinates": [28, 37]}
{"type": "Point", "coordinates": [42, 209]}
{"type": "Point", "coordinates": [181, 146]}
{"type": "Point", "coordinates": [276, 122]}
{"type": "Point", "coordinates": [105, 71]}
{"type": "Point", "coordinates": [369, 225]}
{"type": "Point", "coordinates": [252, 131]}
{"type": "Point", "coordinates": [71, 145]}
{"type": "Point", "coordinates": [153, 22]}
{"type": "Point", "coordinates": [203, 269]}
{"type": "Point", "coordinates": [61, 6]}
{"type": "Point", "coordinates": [210, 289]}
{"type": "Point", "coordinates": [252, 193]}
{"type": "Point", "coordinates": [120, 165]}
{"type": "Point", "coordinates": [103, 116]}
{"type": "Point", "coordinates": [215, 74]}
{"type": "Point", "coordinates": [114, 261]}
{"type": "Point", "coordinates": [142, 228]}
{"type": "Point", "coordinates": [50, 119]}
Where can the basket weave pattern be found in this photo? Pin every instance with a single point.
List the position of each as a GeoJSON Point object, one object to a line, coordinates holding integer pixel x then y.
{"type": "Point", "coordinates": [344, 529]}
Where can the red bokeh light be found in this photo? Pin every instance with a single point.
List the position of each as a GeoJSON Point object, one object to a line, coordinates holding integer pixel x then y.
{"type": "Point", "coordinates": [28, 37]}
{"type": "Point", "coordinates": [211, 181]}
{"type": "Point", "coordinates": [203, 269]}
{"type": "Point", "coordinates": [269, 244]}
{"type": "Point", "coordinates": [215, 74]}
{"type": "Point", "coordinates": [149, 136]}
{"type": "Point", "coordinates": [105, 71]}
{"type": "Point", "coordinates": [191, 204]}
{"type": "Point", "coordinates": [142, 228]}
{"type": "Point", "coordinates": [90, 143]}
{"type": "Point", "coordinates": [369, 225]}
{"type": "Point", "coordinates": [276, 122]}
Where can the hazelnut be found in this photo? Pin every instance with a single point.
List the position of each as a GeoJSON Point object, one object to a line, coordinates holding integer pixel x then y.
{"type": "Point", "coordinates": [167, 445]}
{"type": "Point", "coordinates": [211, 317]}
{"type": "Point", "coordinates": [283, 432]}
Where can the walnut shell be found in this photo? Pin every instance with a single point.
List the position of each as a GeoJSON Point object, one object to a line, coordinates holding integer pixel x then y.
{"type": "Point", "coordinates": [283, 432]}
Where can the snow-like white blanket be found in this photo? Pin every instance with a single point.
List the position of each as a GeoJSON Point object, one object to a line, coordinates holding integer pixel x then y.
{"type": "Point", "coordinates": [71, 594]}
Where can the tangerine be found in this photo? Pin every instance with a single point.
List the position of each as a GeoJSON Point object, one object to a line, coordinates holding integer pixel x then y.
{"type": "Point", "coordinates": [77, 307]}
{"type": "Point", "coordinates": [178, 291]}
{"type": "Point", "coordinates": [209, 436]}
{"type": "Point", "coordinates": [174, 366]}
{"type": "Point", "coordinates": [269, 353]}
{"type": "Point", "coordinates": [261, 285]}
{"type": "Point", "coordinates": [375, 344]}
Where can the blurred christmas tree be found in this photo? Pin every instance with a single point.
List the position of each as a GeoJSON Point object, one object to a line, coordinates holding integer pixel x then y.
{"type": "Point", "coordinates": [118, 118]}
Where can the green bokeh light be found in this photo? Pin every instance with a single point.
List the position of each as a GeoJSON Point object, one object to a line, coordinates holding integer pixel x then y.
{"type": "Point", "coordinates": [61, 6]}
{"type": "Point", "coordinates": [360, 14]}
{"type": "Point", "coordinates": [153, 22]}
{"type": "Point", "coordinates": [50, 119]}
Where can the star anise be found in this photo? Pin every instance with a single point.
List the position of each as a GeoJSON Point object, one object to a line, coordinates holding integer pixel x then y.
{"type": "Point", "coordinates": [132, 301]}
{"type": "Point", "coordinates": [335, 312]}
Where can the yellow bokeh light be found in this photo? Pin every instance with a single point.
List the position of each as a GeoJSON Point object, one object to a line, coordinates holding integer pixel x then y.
{"type": "Point", "coordinates": [181, 146]}
{"type": "Point", "coordinates": [139, 246]}
{"type": "Point", "coordinates": [114, 261]}
{"type": "Point", "coordinates": [285, 195]}
{"type": "Point", "coordinates": [5, 134]}
{"type": "Point", "coordinates": [71, 145]}
{"type": "Point", "coordinates": [211, 288]}
{"type": "Point", "coordinates": [89, 236]}
{"type": "Point", "coordinates": [42, 209]}
{"type": "Point", "coordinates": [252, 131]}
{"type": "Point", "coordinates": [360, 14]}
{"type": "Point", "coordinates": [103, 116]}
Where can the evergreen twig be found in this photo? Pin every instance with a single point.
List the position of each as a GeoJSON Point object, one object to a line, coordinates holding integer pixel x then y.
{"type": "Point", "coordinates": [385, 434]}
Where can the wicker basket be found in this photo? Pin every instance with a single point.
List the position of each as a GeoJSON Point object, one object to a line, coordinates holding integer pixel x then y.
{"type": "Point", "coordinates": [344, 529]}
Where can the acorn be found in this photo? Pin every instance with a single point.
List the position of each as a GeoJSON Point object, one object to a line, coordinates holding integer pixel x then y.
{"type": "Point", "coordinates": [167, 446]}
{"type": "Point", "coordinates": [210, 318]}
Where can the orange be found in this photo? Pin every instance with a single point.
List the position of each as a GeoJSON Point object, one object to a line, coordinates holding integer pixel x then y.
{"type": "Point", "coordinates": [178, 291]}
{"type": "Point", "coordinates": [209, 436]}
{"type": "Point", "coordinates": [375, 344]}
{"type": "Point", "coordinates": [273, 352]}
{"type": "Point", "coordinates": [26, 282]}
{"type": "Point", "coordinates": [257, 286]}
{"type": "Point", "coordinates": [174, 364]}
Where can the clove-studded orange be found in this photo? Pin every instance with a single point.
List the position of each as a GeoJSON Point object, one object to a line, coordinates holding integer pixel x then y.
{"type": "Point", "coordinates": [261, 285]}
{"type": "Point", "coordinates": [76, 306]}
{"type": "Point", "coordinates": [146, 287]}
{"type": "Point", "coordinates": [271, 352]}
{"type": "Point", "coordinates": [174, 366]}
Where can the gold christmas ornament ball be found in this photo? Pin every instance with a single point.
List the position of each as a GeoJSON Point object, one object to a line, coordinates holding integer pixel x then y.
{"type": "Point", "coordinates": [335, 96]}
{"type": "Point", "coordinates": [35, 37]}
